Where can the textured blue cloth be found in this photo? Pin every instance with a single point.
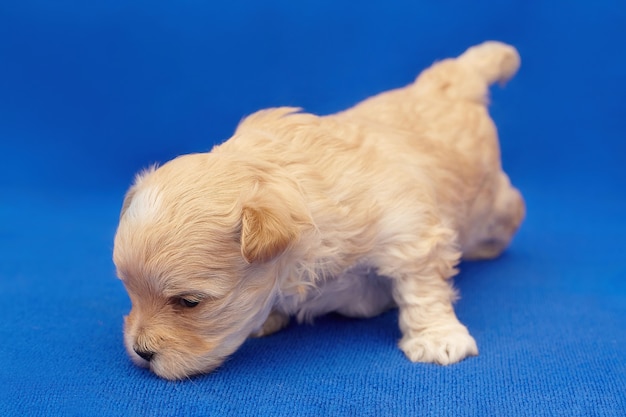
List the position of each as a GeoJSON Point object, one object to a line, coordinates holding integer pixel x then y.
{"type": "Point", "coordinates": [92, 91]}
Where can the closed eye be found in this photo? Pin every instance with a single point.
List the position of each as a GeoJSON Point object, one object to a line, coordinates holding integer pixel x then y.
{"type": "Point", "coordinates": [187, 300]}
{"type": "Point", "coordinates": [188, 303]}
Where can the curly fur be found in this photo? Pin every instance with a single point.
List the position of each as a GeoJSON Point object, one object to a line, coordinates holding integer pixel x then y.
{"type": "Point", "coordinates": [302, 215]}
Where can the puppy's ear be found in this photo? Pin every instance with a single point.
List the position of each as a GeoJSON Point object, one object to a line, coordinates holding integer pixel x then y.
{"type": "Point", "coordinates": [265, 233]}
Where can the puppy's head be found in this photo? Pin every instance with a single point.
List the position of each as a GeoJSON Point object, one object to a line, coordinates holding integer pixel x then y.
{"type": "Point", "coordinates": [197, 249]}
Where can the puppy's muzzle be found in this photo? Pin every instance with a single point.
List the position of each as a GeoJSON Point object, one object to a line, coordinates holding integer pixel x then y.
{"type": "Point", "coordinates": [144, 354]}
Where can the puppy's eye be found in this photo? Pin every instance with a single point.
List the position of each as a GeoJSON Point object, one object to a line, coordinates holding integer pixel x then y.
{"type": "Point", "coordinates": [187, 303]}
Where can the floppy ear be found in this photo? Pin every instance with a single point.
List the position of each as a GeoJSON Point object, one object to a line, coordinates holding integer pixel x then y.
{"type": "Point", "coordinates": [265, 233]}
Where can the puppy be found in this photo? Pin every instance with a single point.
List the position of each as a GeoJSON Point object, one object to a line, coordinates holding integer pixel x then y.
{"type": "Point", "coordinates": [301, 215]}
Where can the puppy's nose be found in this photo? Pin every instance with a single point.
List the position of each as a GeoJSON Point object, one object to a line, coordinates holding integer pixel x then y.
{"type": "Point", "coordinates": [144, 354]}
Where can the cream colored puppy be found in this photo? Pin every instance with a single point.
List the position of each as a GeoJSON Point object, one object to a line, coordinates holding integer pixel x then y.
{"type": "Point", "coordinates": [302, 215]}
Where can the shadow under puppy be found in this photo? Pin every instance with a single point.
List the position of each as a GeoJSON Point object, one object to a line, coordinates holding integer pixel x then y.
{"type": "Point", "coordinates": [302, 215]}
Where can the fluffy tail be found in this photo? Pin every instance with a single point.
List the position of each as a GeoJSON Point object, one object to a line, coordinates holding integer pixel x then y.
{"type": "Point", "coordinates": [470, 75]}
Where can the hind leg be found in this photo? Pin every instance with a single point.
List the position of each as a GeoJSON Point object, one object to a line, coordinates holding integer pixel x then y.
{"type": "Point", "coordinates": [495, 220]}
{"type": "Point", "coordinates": [420, 270]}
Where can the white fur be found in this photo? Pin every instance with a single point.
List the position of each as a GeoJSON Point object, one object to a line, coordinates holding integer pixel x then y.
{"type": "Point", "coordinates": [146, 205]}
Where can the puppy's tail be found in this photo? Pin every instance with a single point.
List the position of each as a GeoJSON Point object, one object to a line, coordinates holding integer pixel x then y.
{"type": "Point", "coordinates": [470, 75]}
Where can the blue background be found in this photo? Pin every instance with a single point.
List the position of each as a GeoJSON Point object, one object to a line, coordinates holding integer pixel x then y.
{"type": "Point", "coordinates": [90, 92]}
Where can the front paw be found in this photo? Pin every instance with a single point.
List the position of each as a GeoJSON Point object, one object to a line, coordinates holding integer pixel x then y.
{"type": "Point", "coordinates": [274, 322]}
{"type": "Point", "coordinates": [445, 345]}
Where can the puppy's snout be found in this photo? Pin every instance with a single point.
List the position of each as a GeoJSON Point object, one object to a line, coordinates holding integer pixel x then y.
{"type": "Point", "coordinates": [144, 354]}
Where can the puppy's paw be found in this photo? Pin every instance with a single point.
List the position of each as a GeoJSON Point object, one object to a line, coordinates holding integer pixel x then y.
{"type": "Point", "coordinates": [445, 345]}
{"type": "Point", "coordinates": [275, 321]}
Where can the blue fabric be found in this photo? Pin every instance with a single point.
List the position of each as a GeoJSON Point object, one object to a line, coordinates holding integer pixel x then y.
{"type": "Point", "coordinates": [91, 92]}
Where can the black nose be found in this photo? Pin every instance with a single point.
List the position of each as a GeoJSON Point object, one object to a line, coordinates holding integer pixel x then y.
{"type": "Point", "coordinates": [146, 355]}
